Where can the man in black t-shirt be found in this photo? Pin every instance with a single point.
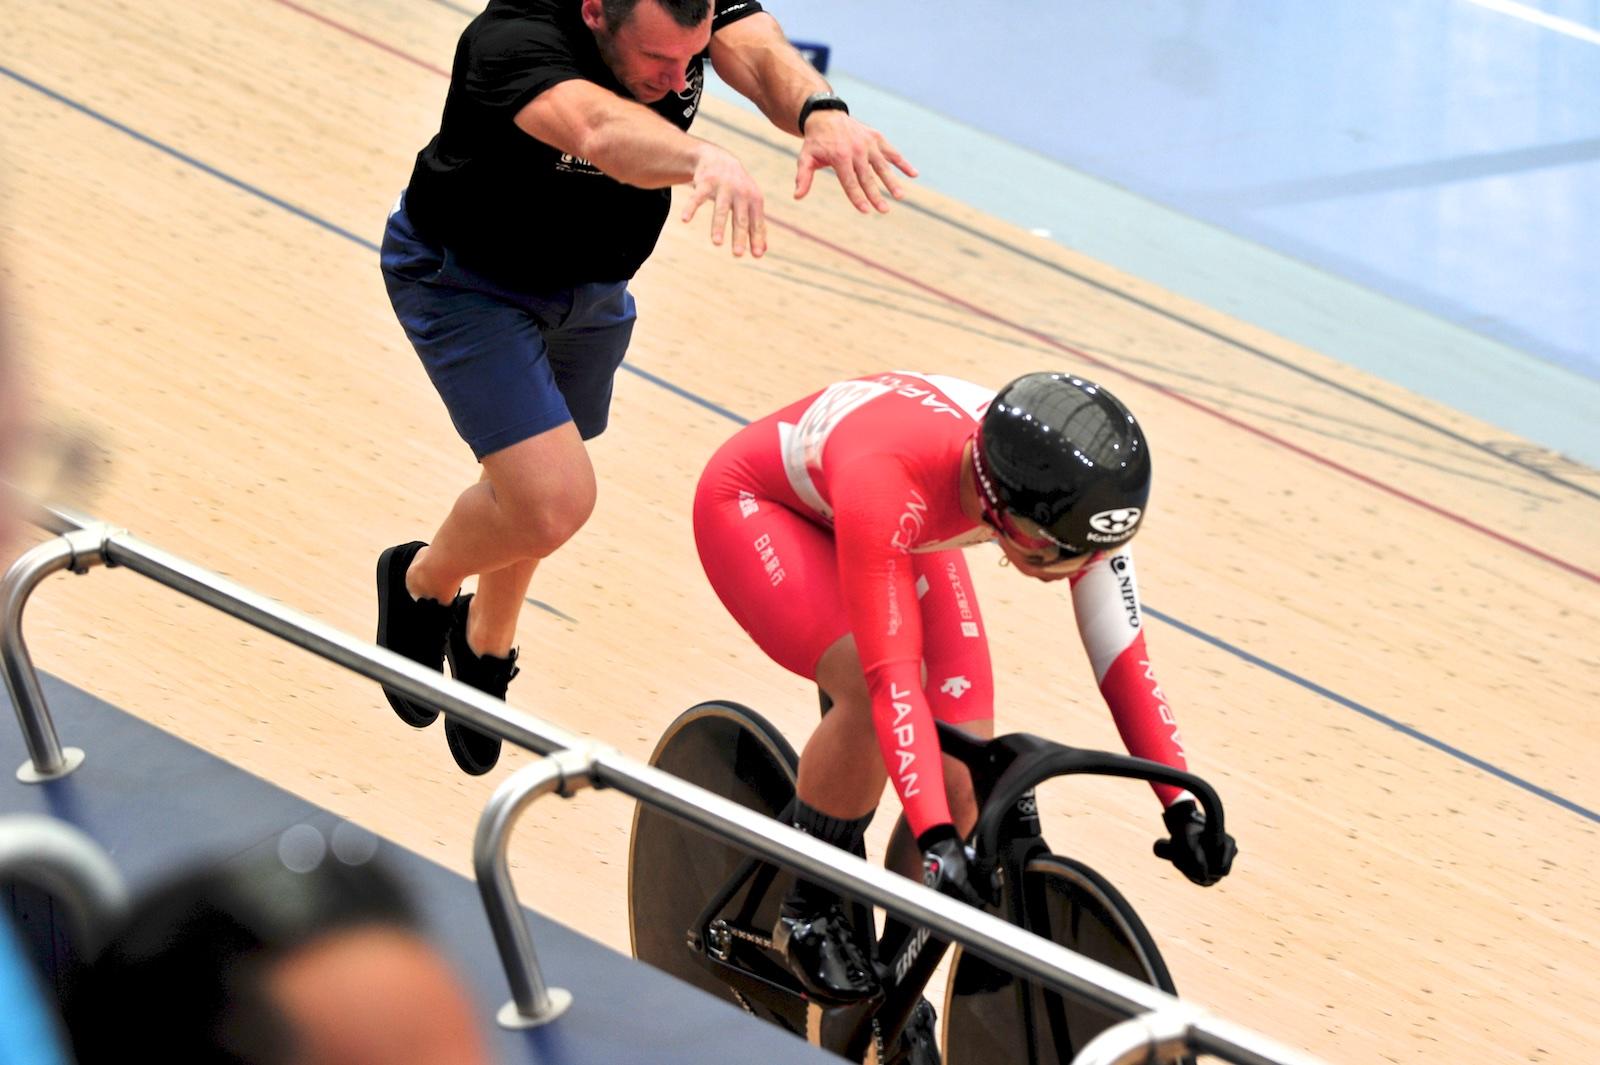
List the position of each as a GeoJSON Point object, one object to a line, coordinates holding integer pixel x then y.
{"type": "Point", "coordinates": [507, 260]}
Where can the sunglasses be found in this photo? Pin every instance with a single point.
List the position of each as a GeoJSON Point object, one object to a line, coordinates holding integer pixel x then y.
{"type": "Point", "coordinates": [1027, 535]}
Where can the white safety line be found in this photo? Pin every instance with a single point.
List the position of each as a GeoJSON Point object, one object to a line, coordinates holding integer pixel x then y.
{"type": "Point", "coordinates": [1539, 18]}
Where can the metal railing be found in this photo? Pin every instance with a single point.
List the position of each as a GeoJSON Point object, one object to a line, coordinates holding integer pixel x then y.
{"type": "Point", "coordinates": [74, 869]}
{"type": "Point", "coordinates": [1162, 1027]}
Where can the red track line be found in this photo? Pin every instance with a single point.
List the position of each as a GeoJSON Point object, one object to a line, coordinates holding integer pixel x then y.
{"type": "Point", "coordinates": [1050, 341]}
{"type": "Point", "coordinates": [364, 38]}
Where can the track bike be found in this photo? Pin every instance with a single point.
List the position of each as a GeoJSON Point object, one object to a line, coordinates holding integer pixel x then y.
{"type": "Point", "coordinates": [703, 911]}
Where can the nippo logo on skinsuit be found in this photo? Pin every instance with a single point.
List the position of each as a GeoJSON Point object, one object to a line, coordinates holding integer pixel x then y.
{"type": "Point", "coordinates": [1114, 526]}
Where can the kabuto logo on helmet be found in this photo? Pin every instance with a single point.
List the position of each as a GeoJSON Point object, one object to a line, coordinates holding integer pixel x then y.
{"type": "Point", "coordinates": [1114, 526]}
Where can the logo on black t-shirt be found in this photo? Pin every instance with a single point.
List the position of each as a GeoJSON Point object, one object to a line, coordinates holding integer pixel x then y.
{"type": "Point", "coordinates": [691, 92]}
{"type": "Point", "coordinates": [575, 164]}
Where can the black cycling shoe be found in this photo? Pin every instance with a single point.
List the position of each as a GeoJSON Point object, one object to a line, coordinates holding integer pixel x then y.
{"type": "Point", "coordinates": [415, 628]}
{"type": "Point", "coordinates": [474, 751]}
{"type": "Point", "coordinates": [820, 950]}
{"type": "Point", "coordinates": [917, 1045]}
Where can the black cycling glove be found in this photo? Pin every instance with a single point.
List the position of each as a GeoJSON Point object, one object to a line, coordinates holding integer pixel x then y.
{"type": "Point", "coordinates": [944, 865]}
{"type": "Point", "coordinates": [1187, 848]}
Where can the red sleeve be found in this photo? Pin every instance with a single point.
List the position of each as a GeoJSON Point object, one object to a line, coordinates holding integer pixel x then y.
{"type": "Point", "coordinates": [878, 509]}
{"type": "Point", "coordinates": [1143, 718]}
{"type": "Point", "coordinates": [1105, 598]}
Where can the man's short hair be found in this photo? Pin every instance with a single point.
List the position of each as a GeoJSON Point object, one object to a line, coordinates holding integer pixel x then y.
{"type": "Point", "coordinates": [686, 13]}
{"type": "Point", "coordinates": [184, 975]}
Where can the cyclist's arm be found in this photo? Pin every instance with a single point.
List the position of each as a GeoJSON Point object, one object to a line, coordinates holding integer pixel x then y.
{"type": "Point", "coordinates": [1105, 598]}
{"type": "Point", "coordinates": [875, 503]}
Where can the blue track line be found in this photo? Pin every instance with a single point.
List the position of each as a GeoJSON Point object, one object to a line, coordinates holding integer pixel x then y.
{"type": "Point", "coordinates": [678, 390]}
{"type": "Point", "coordinates": [188, 160]}
{"type": "Point", "coordinates": [1383, 719]}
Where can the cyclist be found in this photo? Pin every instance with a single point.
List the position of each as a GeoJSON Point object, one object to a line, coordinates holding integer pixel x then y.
{"type": "Point", "coordinates": [833, 531]}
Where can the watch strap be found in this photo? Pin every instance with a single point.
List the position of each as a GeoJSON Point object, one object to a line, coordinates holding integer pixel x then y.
{"type": "Point", "coordinates": [820, 101]}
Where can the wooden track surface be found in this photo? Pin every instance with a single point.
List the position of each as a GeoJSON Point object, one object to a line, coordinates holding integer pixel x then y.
{"type": "Point", "coordinates": [190, 216]}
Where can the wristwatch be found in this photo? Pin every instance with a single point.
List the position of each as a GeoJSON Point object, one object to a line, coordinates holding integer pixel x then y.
{"type": "Point", "coordinates": [820, 101]}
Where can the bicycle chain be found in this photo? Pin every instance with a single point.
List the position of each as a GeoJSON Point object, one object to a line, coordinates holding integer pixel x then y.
{"type": "Point", "coordinates": [765, 942]}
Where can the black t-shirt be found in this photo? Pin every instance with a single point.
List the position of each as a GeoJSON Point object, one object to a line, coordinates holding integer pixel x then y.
{"type": "Point", "coordinates": [512, 208]}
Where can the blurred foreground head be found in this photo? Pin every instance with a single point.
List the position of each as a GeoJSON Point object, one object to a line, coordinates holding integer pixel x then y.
{"type": "Point", "coordinates": [255, 963]}
{"type": "Point", "coordinates": [10, 424]}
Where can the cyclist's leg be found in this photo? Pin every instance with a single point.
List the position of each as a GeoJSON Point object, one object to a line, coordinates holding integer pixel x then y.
{"type": "Point", "coordinates": [841, 768]}
{"type": "Point", "coordinates": [839, 782]}
{"type": "Point", "coordinates": [777, 574]}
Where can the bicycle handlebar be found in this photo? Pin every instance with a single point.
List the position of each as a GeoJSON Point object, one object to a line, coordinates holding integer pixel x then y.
{"type": "Point", "coordinates": [1007, 766]}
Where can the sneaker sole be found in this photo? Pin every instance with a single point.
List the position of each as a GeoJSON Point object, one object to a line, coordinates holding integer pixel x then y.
{"type": "Point", "coordinates": [409, 712]}
{"type": "Point", "coordinates": [474, 751]}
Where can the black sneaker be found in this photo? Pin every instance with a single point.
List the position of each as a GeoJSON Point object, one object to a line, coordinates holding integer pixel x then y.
{"type": "Point", "coordinates": [474, 751]}
{"type": "Point", "coordinates": [821, 951]}
{"type": "Point", "coordinates": [917, 1045]}
{"type": "Point", "coordinates": [416, 628]}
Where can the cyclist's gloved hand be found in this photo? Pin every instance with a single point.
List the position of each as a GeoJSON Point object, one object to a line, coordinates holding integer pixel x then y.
{"type": "Point", "coordinates": [944, 864]}
{"type": "Point", "coordinates": [1187, 847]}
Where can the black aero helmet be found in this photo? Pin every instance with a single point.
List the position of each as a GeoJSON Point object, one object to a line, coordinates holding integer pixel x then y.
{"type": "Point", "coordinates": [1067, 455]}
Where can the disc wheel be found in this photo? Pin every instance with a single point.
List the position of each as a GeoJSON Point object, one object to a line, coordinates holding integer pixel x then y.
{"type": "Point", "coordinates": [674, 869]}
{"type": "Point", "coordinates": [991, 1016]}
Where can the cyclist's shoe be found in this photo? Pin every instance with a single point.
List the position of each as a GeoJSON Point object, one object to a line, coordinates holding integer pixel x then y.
{"type": "Point", "coordinates": [917, 1045]}
{"type": "Point", "coordinates": [474, 751]}
{"type": "Point", "coordinates": [821, 951]}
{"type": "Point", "coordinates": [416, 628]}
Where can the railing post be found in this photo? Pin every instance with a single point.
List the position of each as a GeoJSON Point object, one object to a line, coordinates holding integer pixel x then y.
{"type": "Point", "coordinates": [1160, 1037]}
{"type": "Point", "coordinates": [66, 862]}
{"type": "Point", "coordinates": [77, 550]}
{"type": "Point", "coordinates": [532, 1003]}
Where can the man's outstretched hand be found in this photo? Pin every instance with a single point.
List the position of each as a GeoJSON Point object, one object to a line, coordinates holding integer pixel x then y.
{"type": "Point", "coordinates": [857, 154]}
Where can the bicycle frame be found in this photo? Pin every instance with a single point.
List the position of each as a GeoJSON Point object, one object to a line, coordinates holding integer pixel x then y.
{"type": "Point", "coordinates": [1005, 773]}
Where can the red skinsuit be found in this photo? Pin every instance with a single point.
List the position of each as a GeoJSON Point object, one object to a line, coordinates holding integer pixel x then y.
{"type": "Point", "coordinates": [841, 514]}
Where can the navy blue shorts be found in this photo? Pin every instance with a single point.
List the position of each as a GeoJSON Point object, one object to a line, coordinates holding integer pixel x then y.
{"type": "Point", "coordinates": [509, 365]}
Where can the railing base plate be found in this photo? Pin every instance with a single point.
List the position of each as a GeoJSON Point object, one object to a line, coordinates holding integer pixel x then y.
{"type": "Point", "coordinates": [71, 758]}
{"type": "Point", "coordinates": [510, 1017]}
